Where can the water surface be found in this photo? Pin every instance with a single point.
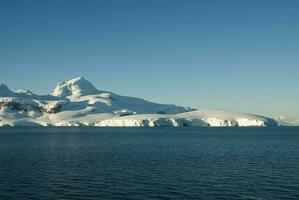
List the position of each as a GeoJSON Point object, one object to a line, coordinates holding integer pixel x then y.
{"type": "Point", "coordinates": [149, 163]}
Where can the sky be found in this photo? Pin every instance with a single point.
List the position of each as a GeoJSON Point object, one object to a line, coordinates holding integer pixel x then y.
{"type": "Point", "coordinates": [235, 55]}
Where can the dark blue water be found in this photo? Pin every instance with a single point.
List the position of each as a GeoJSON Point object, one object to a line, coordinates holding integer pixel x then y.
{"type": "Point", "coordinates": [159, 163]}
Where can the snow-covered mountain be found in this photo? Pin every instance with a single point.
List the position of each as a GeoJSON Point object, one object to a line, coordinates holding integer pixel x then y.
{"type": "Point", "coordinates": [75, 87]}
{"type": "Point", "coordinates": [284, 121]}
{"type": "Point", "coordinates": [78, 103]}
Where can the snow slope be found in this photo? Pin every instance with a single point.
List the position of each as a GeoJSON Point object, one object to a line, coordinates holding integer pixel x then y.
{"type": "Point", "coordinates": [78, 103]}
{"type": "Point", "coordinates": [284, 121]}
{"type": "Point", "coordinates": [76, 87]}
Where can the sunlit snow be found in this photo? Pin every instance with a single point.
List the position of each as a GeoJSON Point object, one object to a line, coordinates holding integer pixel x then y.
{"type": "Point", "coordinates": [78, 103]}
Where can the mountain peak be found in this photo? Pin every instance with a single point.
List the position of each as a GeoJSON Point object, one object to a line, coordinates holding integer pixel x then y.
{"type": "Point", "coordinates": [3, 86]}
{"type": "Point", "coordinates": [75, 87]}
{"type": "Point", "coordinates": [24, 91]}
{"type": "Point", "coordinates": [80, 78]}
{"type": "Point", "coordinates": [4, 90]}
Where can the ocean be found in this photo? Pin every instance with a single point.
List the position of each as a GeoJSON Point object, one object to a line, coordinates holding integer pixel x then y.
{"type": "Point", "coordinates": [149, 163]}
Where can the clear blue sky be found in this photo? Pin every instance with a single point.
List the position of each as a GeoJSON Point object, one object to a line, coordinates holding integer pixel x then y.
{"type": "Point", "coordinates": [240, 55]}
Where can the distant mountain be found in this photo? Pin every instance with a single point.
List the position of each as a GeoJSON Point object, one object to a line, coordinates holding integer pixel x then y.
{"type": "Point", "coordinates": [78, 103]}
{"type": "Point", "coordinates": [283, 121]}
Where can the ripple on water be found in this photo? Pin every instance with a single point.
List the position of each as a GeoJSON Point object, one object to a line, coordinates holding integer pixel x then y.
{"type": "Point", "coordinates": [150, 164]}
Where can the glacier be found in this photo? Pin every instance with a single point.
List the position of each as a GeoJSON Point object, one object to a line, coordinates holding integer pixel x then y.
{"type": "Point", "coordinates": [78, 102]}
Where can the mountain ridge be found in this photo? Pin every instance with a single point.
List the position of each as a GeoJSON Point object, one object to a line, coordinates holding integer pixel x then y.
{"type": "Point", "coordinates": [77, 102]}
